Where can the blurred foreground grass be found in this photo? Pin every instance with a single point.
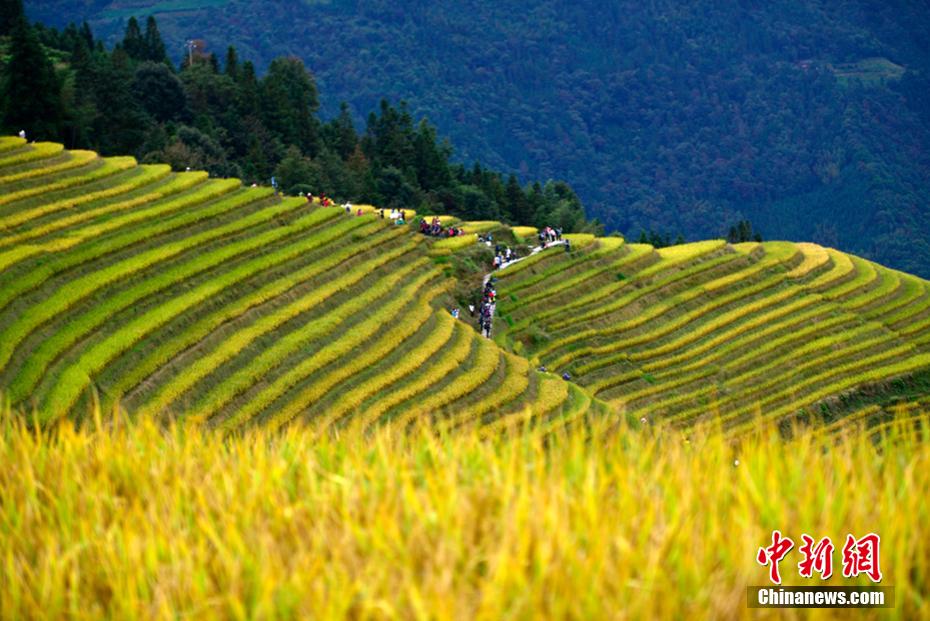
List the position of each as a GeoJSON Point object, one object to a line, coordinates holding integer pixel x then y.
{"type": "Point", "coordinates": [140, 522]}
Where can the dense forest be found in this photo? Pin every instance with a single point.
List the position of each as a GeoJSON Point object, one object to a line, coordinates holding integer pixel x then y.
{"type": "Point", "coordinates": [811, 118]}
{"type": "Point", "coordinates": [221, 116]}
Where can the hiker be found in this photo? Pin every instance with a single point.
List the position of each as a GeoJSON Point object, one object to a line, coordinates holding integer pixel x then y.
{"type": "Point", "coordinates": [22, 134]}
{"type": "Point", "coordinates": [358, 214]}
{"type": "Point", "coordinates": [424, 227]}
{"type": "Point", "coordinates": [568, 245]}
{"type": "Point", "coordinates": [566, 376]}
{"type": "Point", "coordinates": [381, 212]}
{"type": "Point", "coordinates": [471, 310]}
{"type": "Point", "coordinates": [558, 234]}
{"type": "Point", "coordinates": [309, 197]}
{"type": "Point", "coordinates": [348, 209]}
{"type": "Point", "coordinates": [455, 313]}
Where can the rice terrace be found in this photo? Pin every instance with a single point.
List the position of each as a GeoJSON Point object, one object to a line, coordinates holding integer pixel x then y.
{"type": "Point", "coordinates": [215, 325]}
{"type": "Point", "coordinates": [175, 295]}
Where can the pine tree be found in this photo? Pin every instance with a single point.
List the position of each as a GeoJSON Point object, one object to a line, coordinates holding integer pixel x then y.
{"type": "Point", "coordinates": [88, 36]}
{"type": "Point", "coordinates": [232, 63]}
{"type": "Point", "coordinates": [133, 42]}
{"type": "Point", "coordinates": [31, 89]}
{"type": "Point", "coordinates": [154, 46]}
{"type": "Point", "coordinates": [11, 12]}
{"type": "Point", "coordinates": [517, 206]}
{"type": "Point", "coordinates": [342, 136]}
{"type": "Point", "coordinates": [289, 103]}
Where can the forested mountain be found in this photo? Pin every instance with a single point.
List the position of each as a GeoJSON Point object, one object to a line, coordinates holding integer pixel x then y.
{"type": "Point", "coordinates": [808, 118]}
{"type": "Point", "coordinates": [222, 117]}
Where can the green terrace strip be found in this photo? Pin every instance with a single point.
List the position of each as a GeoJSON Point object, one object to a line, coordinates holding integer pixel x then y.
{"type": "Point", "coordinates": [723, 323]}
{"type": "Point", "coordinates": [132, 179]}
{"type": "Point", "coordinates": [230, 348]}
{"type": "Point", "coordinates": [842, 269]}
{"type": "Point", "coordinates": [76, 378]}
{"type": "Point", "coordinates": [486, 361]}
{"type": "Point", "coordinates": [910, 291]}
{"type": "Point", "coordinates": [655, 312]}
{"type": "Point", "coordinates": [8, 143]}
{"type": "Point", "coordinates": [177, 184]}
{"type": "Point", "coordinates": [200, 208]}
{"type": "Point", "coordinates": [771, 320]}
{"type": "Point", "coordinates": [603, 247]}
{"type": "Point", "coordinates": [865, 275]}
{"type": "Point", "coordinates": [80, 288]}
{"type": "Point", "coordinates": [597, 297]}
{"type": "Point", "coordinates": [111, 166]}
{"type": "Point", "coordinates": [76, 159]}
{"type": "Point", "coordinates": [399, 331]}
{"type": "Point", "coordinates": [761, 380]}
{"type": "Point", "coordinates": [852, 374]}
{"type": "Point", "coordinates": [514, 384]}
{"type": "Point", "coordinates": [695, 292]}
{"type": "Point", "coordinates": [681, 322]}
{"type": "Point", "coordinates": [163, 354]}
{"type": "Point", "coordinates": [34, 368]}
{"type": "Point", "coordinates": [333, 352]}
{"type": "Point", "coordinates": [416, 360]}
{"type": "Point", "coordinates": [449, 361]}
{"type": "Point", "coordinates": [37, 151]}
{"type": "Point", "coordinates": [635, 252]}
{"type": "Point", "coordinates": [815, 257]}
{"type": "Point", "coordinates": [311, 332]}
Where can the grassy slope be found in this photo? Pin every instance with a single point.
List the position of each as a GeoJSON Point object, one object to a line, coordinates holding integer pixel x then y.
{"type": "Point", "coordinates": [176, 294]}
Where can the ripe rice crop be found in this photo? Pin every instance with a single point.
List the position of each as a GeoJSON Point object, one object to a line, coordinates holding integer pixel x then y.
{"type": "Point", "coordinates": [451, 244]}
{"type": "Point", "coordinates": [78, 289]}
{"type": "Point", "coordinates": [149, 523]}
{"type": "Point", "coordinates": [76, 159]}
{"type": "Point", "coordinates": [231, 347]}
{"type": "Point", "coordinates": [334, 352]}
{"type": "Point", "coordinates": [398, 375]}
{"type": "Point", "coordinates": [37, 151]}
{"type": "Point", "coordinates": [527, 233]}
{"type": "Point", "coordinates": [110, 166]}
{"type": "Point", "coordinates": [179, 183]}
{"type": "Point", "coordinates": [814, 257]}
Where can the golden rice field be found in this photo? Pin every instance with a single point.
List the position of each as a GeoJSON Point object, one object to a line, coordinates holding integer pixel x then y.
{"type": "Point", "coordinates": [399, 466]}
{"type": "Point", "coordinates": [139, 521]}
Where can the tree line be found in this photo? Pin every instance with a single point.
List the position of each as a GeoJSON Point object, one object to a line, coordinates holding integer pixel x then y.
{"type": "Point", "coordinates": [223, 117]}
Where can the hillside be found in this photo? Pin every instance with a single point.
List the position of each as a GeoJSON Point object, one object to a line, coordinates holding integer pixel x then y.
{"type": "Point", "coordinates": [178, 295]}
{"type": "Point", "coordinates": [809, 118]}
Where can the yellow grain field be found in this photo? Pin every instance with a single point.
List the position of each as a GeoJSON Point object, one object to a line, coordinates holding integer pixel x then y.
{"type": "Point", "coordinates": [140, 522]}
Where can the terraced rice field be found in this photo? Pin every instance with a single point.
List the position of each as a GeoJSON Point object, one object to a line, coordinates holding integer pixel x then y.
{"type": "Point", "coordinates": [175, 295]}
{"type": "Point", "coordinates": [714, 331]}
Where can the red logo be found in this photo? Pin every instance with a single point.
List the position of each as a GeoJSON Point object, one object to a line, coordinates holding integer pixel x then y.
{"type": "Point", "coordinates": [817, 558]}
{"type": "Point", "coordinates": [773, 554]}
{"type": "Point", "coordinates": [861, 557]}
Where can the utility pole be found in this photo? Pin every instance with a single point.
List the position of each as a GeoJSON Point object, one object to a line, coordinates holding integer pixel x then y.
{"type": "Point", "coordinates": [190, 52]}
